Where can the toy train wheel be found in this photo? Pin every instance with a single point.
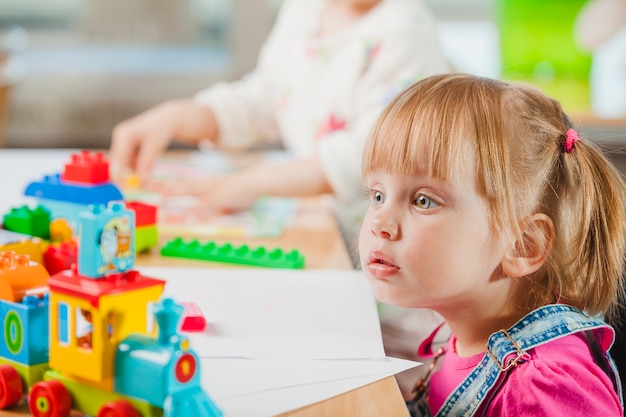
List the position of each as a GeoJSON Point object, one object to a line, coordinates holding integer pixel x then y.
{"type": "Point", "coordinates": [118, 408]}
{"type": "Point", "coordinates": [49, 399]}
{"type": "Point", "coordinates": [10, 386]}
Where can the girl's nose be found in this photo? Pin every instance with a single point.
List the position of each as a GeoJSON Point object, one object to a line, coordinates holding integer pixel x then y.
{"type": "Point", "coordinates": [385, 225]}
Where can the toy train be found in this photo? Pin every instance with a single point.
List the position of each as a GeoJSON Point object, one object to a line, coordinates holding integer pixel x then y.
{"type": "Point", "coordinates": [96, 337]}
{"type": "Point", "coordinates": [101, 356]}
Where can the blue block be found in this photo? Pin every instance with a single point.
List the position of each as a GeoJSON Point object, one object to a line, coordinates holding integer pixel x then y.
{"type": "Point", "coordinates": [52, 187]}
{"type": "Point", "coordinates": [25, 330]}
{"type": "Point", "coordinates": [106, 240]}
{"type": "Point", "coordinates": [69, 212]}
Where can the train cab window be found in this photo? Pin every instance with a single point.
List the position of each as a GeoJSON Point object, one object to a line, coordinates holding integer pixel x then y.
{"type": "Point", "coordinates": [84, 328]}
{"type": "Point", "coordinates": [150, 324]}
{"type": "Point", "coordinates": [111, 326]}
{"type": "Point", "coordinates": [64, 324]}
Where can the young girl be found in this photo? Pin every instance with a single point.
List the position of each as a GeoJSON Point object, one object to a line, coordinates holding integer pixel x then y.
{"type": "Point", "coordinates": [324, 74]}
{"type": "Point", "coordinates": [487, 207]}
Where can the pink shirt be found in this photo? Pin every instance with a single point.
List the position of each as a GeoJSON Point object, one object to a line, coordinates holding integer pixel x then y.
{"type": "Point", "coordinates": [561, 379]}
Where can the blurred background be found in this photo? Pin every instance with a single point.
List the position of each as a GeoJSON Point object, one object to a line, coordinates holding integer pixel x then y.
{"type": "Point", "coordinates": [71, 69]}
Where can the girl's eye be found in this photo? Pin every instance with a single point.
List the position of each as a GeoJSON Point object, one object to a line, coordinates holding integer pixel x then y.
{"type": "Point", "coordinates": [424, 202]}
{"type": "Point", "coordinates": [377, 197]}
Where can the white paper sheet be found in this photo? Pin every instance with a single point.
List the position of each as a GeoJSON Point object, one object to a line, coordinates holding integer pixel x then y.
{"type": "Point", "coordinates": [279, 314]}
{"type": "Point", "coordinates": [272, 402]}
{"type": "Point", "coordinates": [223, 377]}
{"type": "Point", "coordinates": [279, 340]}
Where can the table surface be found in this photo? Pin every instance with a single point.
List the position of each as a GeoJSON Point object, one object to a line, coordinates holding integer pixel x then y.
{"type": "Point", "coordinates": [315, 233]}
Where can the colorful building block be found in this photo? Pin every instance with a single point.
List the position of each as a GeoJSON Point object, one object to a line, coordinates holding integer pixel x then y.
{"type": "Point", "coordinates": [61, 230]}
{"type": "Point", "coordinates": [19, 276]}
{"type": "Point", "coordinates": [24, 325]}
{"type": "Point", "coordinates": [52, 188]}
{"type": "Point", "coordinates": [106, 240]}
{"type": "Point", "coordinates": [60, 257]}
{"type": "Point", "coordinates": [193, 319]}
{"type": "Point", "coordinates": [87, 167]}
{"type": "Point", "coordinates": [146, 237]}
{"type": "Point", "coordinates": [21, 244]}
{"type": "Point", "coordinates": [33, 222]}
{"type": "Point", "coordinates": [227, 253]}
{"type": "Point", "coordinates": [145, 214]}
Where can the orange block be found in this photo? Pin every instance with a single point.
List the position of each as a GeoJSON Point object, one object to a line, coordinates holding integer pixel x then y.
{"type": "Point", "coordinates": [19, 276]}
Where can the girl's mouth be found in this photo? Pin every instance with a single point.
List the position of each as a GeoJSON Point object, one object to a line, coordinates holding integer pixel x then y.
{"type": "Point", "coordinates": [380, 266]}
{"type": "Point", "coordinates": [377, 257]}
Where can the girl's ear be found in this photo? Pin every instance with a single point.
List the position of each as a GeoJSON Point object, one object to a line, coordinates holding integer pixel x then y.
{"type": "Point", "coordinates": [529, 253]}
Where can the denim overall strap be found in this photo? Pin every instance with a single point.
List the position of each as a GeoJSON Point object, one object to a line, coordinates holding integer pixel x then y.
{"type": "Point", "coordinates": [506, 349]}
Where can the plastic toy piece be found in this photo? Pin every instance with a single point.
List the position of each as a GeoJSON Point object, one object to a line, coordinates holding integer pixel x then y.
{"type": "Point", "coordinates": [146, 237]}
{"type": "Point", "coordinates": [21, 244]}
{"type": "Point", "coordinates": [145, 214]}
{"type": "Point", "coordinates": [52, 188]}
{"type": "Point", "coordinates": [60, 230]}
{"type": "Point", "coordinates": [24, 325]}
{"type": "Point", "coordinates": [106, 240]}
{"type": "Point", "coordinates": [33, 222]}
{"type": "Point", "coordinates": [180, 390]}
{"type": "Point", "coordinates": [19, 276]}
{"type": "Point", "coordinates": [30, 374]}
{"type": "Point", "coordinates": [87, 167]}
{"type": "Point", "coordinates": [49, 398]}
{"type": "Point", "coordinates": [88, 315]}
{"type": "Point", "coordinates": [146, 233]}
{"type": "Point", "coordinates": [64, 224]}
{"type": "Point", "coordinates": [60, 257]}
{"type": "Point", "coordinates": [227, 253]}
{"type": "Point", "coordinates": [11, 386]}
{"type": "Point", "coordinates": [130, 180]}
{"type": "Point", "coordinates": [193, 319]}
{"type": "Point", "coordinates": [87, 398]}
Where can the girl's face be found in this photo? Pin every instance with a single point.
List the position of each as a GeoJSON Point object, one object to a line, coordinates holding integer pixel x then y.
{"type": "Point", "coordinates": [427, 243]}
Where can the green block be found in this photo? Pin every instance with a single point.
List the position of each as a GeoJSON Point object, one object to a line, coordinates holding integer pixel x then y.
{"type": "Point", "coordinates": [146, 237]}
{"type": "Point", "coordinates": [33, 222]}
{"type": "Point", "coordinates": [227, 253]}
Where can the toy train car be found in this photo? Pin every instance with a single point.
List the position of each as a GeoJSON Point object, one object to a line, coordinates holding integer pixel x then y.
{"type": "Point", "coordinates": [113, 349]}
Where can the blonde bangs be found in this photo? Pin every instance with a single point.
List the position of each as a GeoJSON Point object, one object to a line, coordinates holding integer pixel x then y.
{"type": "Point", "coordinates": [418, 135]}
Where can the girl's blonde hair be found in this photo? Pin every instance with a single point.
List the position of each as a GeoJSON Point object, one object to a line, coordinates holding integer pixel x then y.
{"type": "Point", "coordinates": [517, 135]}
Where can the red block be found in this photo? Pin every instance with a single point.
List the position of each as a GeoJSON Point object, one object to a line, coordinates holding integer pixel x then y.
{"type": "Point", "coordinates": [87, 167]}
{"type": "Point", "coordinates": [193, 320]}
{"type": "Point", "coordinates": [60, 258]}
{"type": "Point", "coordinates": [145, 214]}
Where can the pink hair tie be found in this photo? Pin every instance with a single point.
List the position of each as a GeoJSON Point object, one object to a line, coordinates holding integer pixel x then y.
{"type": "Point", "coordinates": [571, 137]}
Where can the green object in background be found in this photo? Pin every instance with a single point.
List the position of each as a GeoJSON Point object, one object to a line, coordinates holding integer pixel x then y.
{"type": "Point", "coordinates": [537, 45]}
